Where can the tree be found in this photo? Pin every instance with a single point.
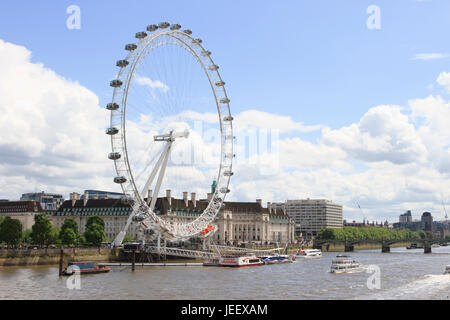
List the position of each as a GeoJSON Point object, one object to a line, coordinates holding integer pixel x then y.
{"type": "Point", "coordinates": [68, 237]}
{"type": "Point", "coordinates": [69, 234]}
{"type": "Point", "coordinates": [11, 231]}
{"type": "Point", "coordinates": [26, 237]}
{"type": "Point", "coordinates": [128, 238]}
{"type": "Point", "coordinates": [41, 232]}
{"type": "Point", "coordinates": [95, 234]}
{"type": "Point", "coordinates": [95, 220]}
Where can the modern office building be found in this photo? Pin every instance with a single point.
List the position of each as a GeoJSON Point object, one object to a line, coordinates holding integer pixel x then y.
{"type": "Point", "coordinates": [100, 194]}
{"type": "Point", "coordinates": [48, 201]}
{"type": "Point", "coordinates": [312, 215]}
{"type": "Point", "coordinates": [405, 217]}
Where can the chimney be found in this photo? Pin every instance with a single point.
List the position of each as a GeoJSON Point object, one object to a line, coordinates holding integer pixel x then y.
{"type": "Point", "coordinates": [194, 202]}
{"type": "Point", "coordinates": [269, 207]}
{"type": "Point", "coordinates": [74, 197]}
{"type": "Point", "coordinates": [149, 196]}
{"type": "Point", "coordinates": [168, 196]}
{"type": "Point", "coordinates": [185, 198]}
{"type": "Point", "coordinates": [86, 198]}
{"type": "Point", "coordinates": [210, 195]}
{"type": "Point", "coordinates": [259, 201]}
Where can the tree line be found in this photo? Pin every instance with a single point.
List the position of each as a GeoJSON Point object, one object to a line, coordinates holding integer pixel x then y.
{"type": "Point", "coordinates": [369, 233]}
{"type": "Point", "coordinates": [44, 234]}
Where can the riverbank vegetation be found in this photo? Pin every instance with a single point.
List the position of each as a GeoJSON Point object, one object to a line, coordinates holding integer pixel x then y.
{"type": "Point", "coordinates": [43, 234]}
{"type": "Point", "coordinates": [369, 233]}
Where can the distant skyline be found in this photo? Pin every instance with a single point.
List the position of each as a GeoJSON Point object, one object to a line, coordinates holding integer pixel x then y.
{"type": "Point", "coordinates": [362, 113]}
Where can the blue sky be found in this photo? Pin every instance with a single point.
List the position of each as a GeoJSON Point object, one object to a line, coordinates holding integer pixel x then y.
{"type": "Point", "coordinates": [311, 62]}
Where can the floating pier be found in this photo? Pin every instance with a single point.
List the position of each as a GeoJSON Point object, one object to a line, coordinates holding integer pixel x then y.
{"type": "Point", "coordinates": [173, 264]}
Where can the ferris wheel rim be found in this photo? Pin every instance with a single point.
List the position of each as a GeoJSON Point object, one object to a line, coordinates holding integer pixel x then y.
{"type": "Point", "coordinates": [223, 109]}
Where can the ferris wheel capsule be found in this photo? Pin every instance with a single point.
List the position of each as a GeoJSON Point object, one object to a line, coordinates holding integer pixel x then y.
{"type": "Point", "coordinates": [112, 106]}
{"type": "Point", "coordinates": [152, 28]}
{"type": "Point", "coordinates": [120, 180]}
{"type": "Point", "coordinates": [115, 83]}
{"type": "Point", "coordinates": [112, 131]}
{"type": "Point", "coordinates": [131, 47]}
{"type": "Point", "coordinates": [164, 25]}
{"type": "Point", "coordinates": [141, 35]}
{"type": "Point", "coordinates": [175, 26]}
{"type": "Point", "coordinates": [122, 63]}
{"type": "Point", "coordinates": [114, 156]}
{"type": "Point", "coordinates": [187, 31]}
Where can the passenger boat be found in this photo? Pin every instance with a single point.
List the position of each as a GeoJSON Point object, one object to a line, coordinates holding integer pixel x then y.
{"type": "Point", "coordinates": [278, 258]}
{"type": "Point", "coordinates": [435, 245]}
{"type": "Point", "coordinates": [309, 254]}
{"type": "Point", "coordinates": [240, 261]}
{"type": "Point", "coordinates": [447, 270]}
{"type": "Point", "coordinates": [414, 246]}
{"type": "Point", "coordinates": [211, 263]}
{"type": "Point", "coordinates": [345, 264]}
{"type": "Point", "coordinates": [85, 268]}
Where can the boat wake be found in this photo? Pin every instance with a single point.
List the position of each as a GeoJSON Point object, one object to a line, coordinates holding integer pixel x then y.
{"type": "Point", "coordinates": [431, 286]}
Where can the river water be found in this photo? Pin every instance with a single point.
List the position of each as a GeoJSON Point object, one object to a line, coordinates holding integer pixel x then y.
{"type": "Point", "coordinates": [403, 274]}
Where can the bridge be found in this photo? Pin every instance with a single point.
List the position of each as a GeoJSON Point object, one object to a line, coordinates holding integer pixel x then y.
{"type": "Point", "coordinates": [349, 245]}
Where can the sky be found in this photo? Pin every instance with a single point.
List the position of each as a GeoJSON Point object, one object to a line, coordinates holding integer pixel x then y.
{"type": "Point", "coordinates": [359, 99]}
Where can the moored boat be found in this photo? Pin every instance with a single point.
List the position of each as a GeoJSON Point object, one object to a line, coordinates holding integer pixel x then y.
{"type": "Point", "coordinates": [240, 261]}
{"type": "Point", "coordinates": [309, 254]}
{"type": "Point", "coordinates": [84, 268]}
{"type": "Point", "coordinates": [211, 262]}
{"type": "Point", "coordinates": [276, 259]}
{"type": "Point", "coordinates": [345, 264]}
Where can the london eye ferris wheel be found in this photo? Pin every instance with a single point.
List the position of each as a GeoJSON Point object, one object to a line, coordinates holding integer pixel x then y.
{"type": "Point", "coordinates": [168, 93]}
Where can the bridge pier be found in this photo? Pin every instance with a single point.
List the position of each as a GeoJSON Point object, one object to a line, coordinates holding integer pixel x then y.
{"type": "Point", "coordinates": [385, 249]}
{"type": "Point", "coordinates": [426, 248]}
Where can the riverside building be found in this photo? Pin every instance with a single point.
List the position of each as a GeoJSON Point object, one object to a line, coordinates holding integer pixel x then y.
{"type": "Point", "coordinates": [312, 215]}
{"type": "Point", "coordinates": [24, 211]}
{"type": "Point", "coordinates": [237, 222]}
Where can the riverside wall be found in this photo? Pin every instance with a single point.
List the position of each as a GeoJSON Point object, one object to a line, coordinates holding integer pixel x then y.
{"type": "Point", "coordinates": [42, 257]}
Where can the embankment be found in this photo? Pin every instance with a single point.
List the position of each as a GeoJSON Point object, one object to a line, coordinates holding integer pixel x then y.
{"type": "Point", "coordinates": [51, 256]}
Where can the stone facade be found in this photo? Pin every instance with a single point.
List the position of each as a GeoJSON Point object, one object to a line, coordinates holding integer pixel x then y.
{"type": "Point", "coordinates": [24, 211]}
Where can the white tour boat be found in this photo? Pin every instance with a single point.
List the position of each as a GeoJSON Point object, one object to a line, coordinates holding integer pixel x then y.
{"type": "Point", "coordinates": [250, 260]}
{"type": "Point", "coordinates": [345, 264]}
{"type": "Point", "coordinates": [309, 254]}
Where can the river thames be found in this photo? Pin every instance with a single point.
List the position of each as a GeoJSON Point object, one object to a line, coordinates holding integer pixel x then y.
{"type": "Point", "coordinates": [404, 274]}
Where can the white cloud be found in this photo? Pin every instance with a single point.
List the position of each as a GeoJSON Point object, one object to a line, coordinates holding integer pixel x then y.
{"type": "Point", "coordinates": [52, 129]}
{"type": "Point", "coordinates": [444, 80]}
{"type": "Point", "coordinates": [383, 133]}
{"type": "Point", "coordinates": [430, 56]}
{"type": "Point", "coordinates": [269, 121]}
{"type": "Point", "coordinates": [154, 84]}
